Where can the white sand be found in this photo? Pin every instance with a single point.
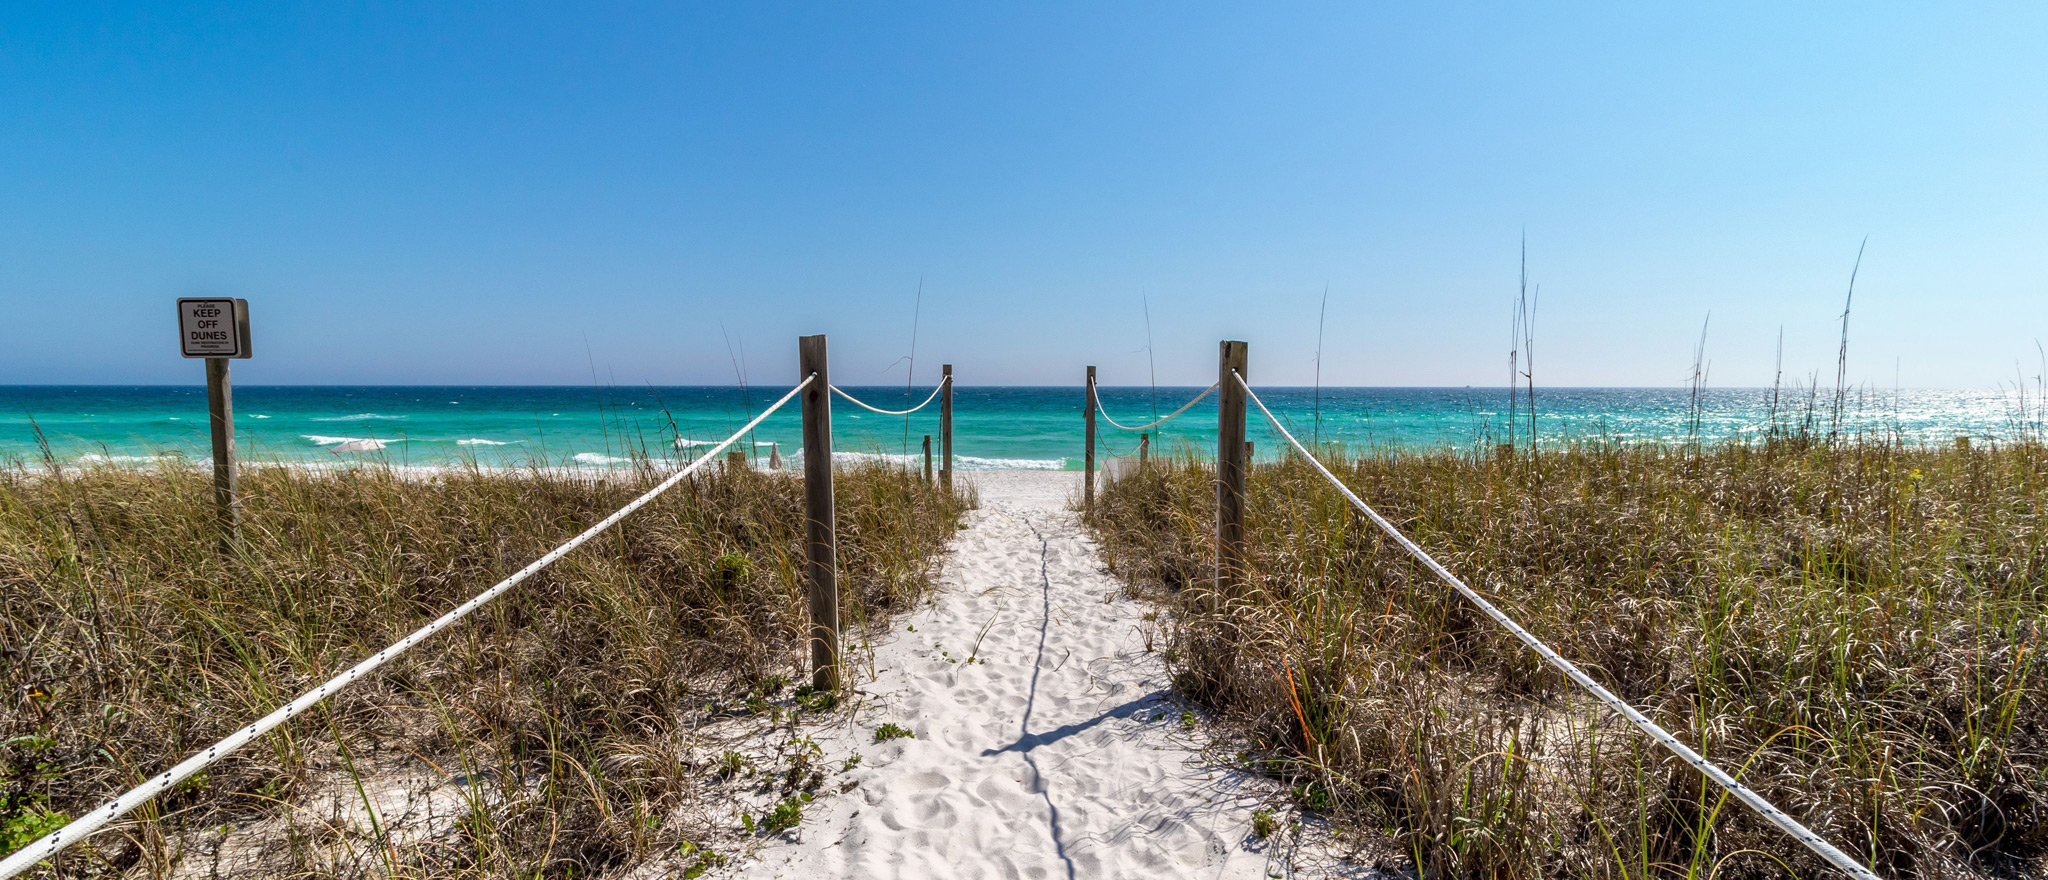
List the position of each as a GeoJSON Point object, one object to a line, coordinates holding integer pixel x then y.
{"type": "Point", "coordinates": [1047, 744]}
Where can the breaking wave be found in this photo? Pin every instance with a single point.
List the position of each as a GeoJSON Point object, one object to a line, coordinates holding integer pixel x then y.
{"type": "Point", "coordinates": [962, 462]}
{"type": "Point", "coordinates": [347, 444]}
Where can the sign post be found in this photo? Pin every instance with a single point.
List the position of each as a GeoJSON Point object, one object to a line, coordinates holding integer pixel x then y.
{"type": "Point", "coordinates": [217, 329]}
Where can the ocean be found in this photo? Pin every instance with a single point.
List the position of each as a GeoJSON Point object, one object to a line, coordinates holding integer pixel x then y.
{"type": "Point", "coordinates": [995, 427]}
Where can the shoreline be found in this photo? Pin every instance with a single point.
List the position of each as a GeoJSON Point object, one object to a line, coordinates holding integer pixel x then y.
{"type": "Point", "coordinates": [1108, 465]}
{"type": "Point", "coordinates": [617, 467]}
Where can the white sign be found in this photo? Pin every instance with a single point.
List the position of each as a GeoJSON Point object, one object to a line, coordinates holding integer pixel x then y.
{"type": "Point", "coordinates": [213, 327]}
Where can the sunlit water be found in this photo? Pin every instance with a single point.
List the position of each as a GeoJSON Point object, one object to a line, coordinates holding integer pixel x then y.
{"type": "Point", "coordinates": [996, 427]}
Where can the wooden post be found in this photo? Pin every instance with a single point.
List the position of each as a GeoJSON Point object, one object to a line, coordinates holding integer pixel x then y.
{"type": "Point", "coordinates": [927, 459]}
{"type": "Point", "coordinates": [220, 411]}
{"type": "Point", "coordinates": [217, 329]}
{"type": "Point", "coordinates": [821, 564]}
{"type": "Point", "coordinates": [1231, 453]}
{"type": "Point", "coordinates": [735, 459]}
{"type": "Point", "coordinates": [1088, 476]}
{"type": "Point", "coordinates": [946, 427]}
{"type": "Point", "coordinates": [1144, 447]}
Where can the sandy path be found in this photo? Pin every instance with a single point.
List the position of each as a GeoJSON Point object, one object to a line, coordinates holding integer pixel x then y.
{"type": "Point", "coordinates": [1046, 743]}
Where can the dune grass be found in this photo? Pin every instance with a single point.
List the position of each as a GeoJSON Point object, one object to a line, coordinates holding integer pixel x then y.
{"type": "Point", "coordinates": [1854, 630]}
{"type": "Point", "coordinates": [129, 642]}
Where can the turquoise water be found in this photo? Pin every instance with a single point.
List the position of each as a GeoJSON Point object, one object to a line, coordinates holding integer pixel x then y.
{"type": "Point", "coordinates": [996, 427]}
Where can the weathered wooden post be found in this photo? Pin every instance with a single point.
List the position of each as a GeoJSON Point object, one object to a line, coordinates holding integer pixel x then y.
{"type": "Point", "coordinates": [220, 413]}
{"type": "Point", "coordinates": [821, 563]}
{"type": "Point", "coordinates": [217, 329]}
{"type": "Point", "coordinates": [1144, 448]}
{"type": "Point", "coordinates": [946, 427]}
{"type": "Point", "coordinates": [1088, 477]}
{"type": "Point", "coordinates": [1231, 455]}
{"type": "Point", "coordinates": [735, 459]}
{"type": "Point", "coordinates": [927, 459]}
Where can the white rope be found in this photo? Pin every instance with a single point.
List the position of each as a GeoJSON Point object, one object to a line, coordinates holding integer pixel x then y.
{"type": "Point", "coordinates": [887, 412]}
{"type": "Point", "coordinates": [55, 842]}
{"type": "Point", "coordinates": [1169, 416]}
{"type": "Point", "coordinates": [1664, 738]}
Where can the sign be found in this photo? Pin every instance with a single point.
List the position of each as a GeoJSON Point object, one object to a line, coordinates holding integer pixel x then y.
{"type": "Point", "coordinates": [213, 327]}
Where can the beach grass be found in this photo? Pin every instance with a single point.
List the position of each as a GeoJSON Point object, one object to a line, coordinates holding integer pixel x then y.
{"type": "Point", "coordinates": [566, 707]}
{"type": "Point", "coordinates": [1852, 629]}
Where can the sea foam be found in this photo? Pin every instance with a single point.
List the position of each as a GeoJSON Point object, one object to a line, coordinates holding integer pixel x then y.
{"type": "Point", "coordinates": [962, 462]}
{"type": "Point", "coordinates": [348, 444]}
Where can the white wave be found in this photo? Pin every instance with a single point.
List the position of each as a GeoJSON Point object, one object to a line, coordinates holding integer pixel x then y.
{"type": "Point", "coordinates": [962, 462]}
{"type": "Point", "coordinates": [259, 417]}
{"type": "Point", "coordinates": [347, 444]}
{"type": "Point", "coordinates": [685, 443]}
{"type": "Point", "coordinates": [764, 444]}
{"type": "Point", "coordinates": [96, 458]}
{"type": "Point", "coordinates": [479, 441]}
{"type": "Point", "coordinates": [597, 459]}
{"type": "Point", "coordinates": [357, 417]}
{"type": "Point", "coordinates": [977, 463]}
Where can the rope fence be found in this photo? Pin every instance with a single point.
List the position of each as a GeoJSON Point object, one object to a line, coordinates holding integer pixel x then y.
{"type": "Point", "coordinates": [1775, 816]}
{"type": "Point", "coordinates": [1113, 455]}
{"type": "Point", "coordinates": [1168, 417]}
{"type": "Point", "coordinates": [894, 412]}
{"type": "Point", "coordinates": [56, 841]}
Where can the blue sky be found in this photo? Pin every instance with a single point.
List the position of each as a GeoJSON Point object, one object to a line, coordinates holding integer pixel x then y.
{"type": "Point", "coordinates": [513, 194]}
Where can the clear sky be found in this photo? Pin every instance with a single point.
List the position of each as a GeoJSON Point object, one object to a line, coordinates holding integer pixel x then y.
{"type": "Point", "coordinates": [510, 194]}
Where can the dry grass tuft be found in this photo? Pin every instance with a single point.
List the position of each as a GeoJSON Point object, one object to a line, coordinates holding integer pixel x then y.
{"type": "Point", "coordinates": [1855, 631]}
{"type": "Point", "coordinates": [129, 643]}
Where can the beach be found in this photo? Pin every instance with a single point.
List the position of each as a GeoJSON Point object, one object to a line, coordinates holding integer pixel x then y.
{"type": "Point", "coordinates": [1027, 694]}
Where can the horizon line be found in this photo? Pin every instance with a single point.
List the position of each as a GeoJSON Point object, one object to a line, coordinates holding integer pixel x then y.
{"type": "Point", "coordinates": [202, 386]}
